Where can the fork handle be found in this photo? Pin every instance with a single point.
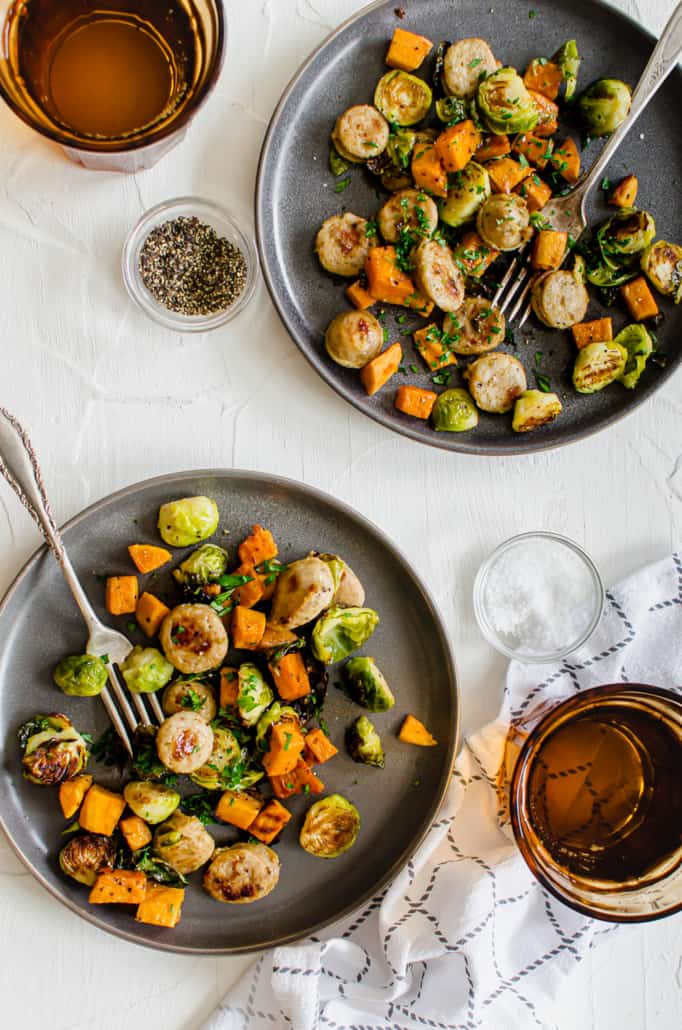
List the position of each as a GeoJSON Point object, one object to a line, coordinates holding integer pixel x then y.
{"type": "Point", "coordinates": [660, 64]}
{"type": "Point", "coordinates": [19, 466]}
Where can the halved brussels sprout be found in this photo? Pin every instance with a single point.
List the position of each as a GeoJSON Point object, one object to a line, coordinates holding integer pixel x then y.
{"type": "Point", "coordinates": [145, 670]}
{"type": "Point", "coordinates": [451, 110]}
{"type": "Point", "coordinates": [81, 675]}
{"type": "Point", "coordinates": [151, 801]}
{"type": "Point", "coordinates": [54, 750]}
{"type": "Point", "coordinates": [254, 694]}
{"type": "Point", "coordinates": [159, 871]}
{"type": "Point", "coordinates": [454, 412]}
{"type": "Point", "coordinates": [304, 590]}
{"type": "Point", "coordinates": [400, 146]}
{"type": "Point", "coordinates": [639, 346]}
{"type": "Point", "coordinates": [85, 856]}
{"type": "Point", "coordinates": [226, 751]}
{"type": "Point", "coordinates": [534, 409]}
{"type": "Point", "coordinates": [337, 164]}
{"type": "Point", "coordinates": [205, 565]}
{"type": "Point", "coordinates": [341, 631]}
{"type": "Point", "coordinates": [190, 696]}
{"type": "Point", "coordinates": [184, 843]}
{"type": "Point", "coordinates": [367, 685]}
{"type": "Point", "coordinates": [625, 234]}
{"type": "Point", "coordinates": [598, 365]}
{"type": "Point", "coordinates": [470, 188]}
{"type": "Point", "coordinates": [568, 59]}
{"type": "Point", "coordinates": [364, 743]}
{"type": "Point", "coordinates": [188, 521]}
{"type": "Point", "coordinates": [604, 105]}
{"type": "Point", "coordinates": [331, 826]}
{"type": "Point", "coordinates": [662, 264]}
{"type": "Point", "coordinates": [403, 99]}
{"type": "Point", "coordinates": [504, 103]}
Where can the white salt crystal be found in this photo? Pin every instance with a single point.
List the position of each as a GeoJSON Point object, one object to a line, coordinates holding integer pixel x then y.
{"type": "Point", "coordinates": [539, 596]}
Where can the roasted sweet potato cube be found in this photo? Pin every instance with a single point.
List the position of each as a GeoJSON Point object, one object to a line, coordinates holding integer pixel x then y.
{"type": "Point", "coordinates": [258, 547]}
{"type": "Point", "coordinates": [162, 906]}
{"type": "Point", "coordinates": [118, 887]}
{"type": "Point", "coordinates": [270, 822]}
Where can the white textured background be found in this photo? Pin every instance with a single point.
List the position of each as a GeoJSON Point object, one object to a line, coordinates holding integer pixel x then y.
{"type": "Point", "coordinates": [110, 400]}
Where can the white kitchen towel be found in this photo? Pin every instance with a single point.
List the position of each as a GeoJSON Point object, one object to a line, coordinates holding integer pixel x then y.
{"type": "Point", "coordinates": [465, 937]}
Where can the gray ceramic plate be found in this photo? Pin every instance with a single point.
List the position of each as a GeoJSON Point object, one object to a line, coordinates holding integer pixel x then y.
{"type": "Point", "coordinates": [39, 624]}
{"type": "Point", "coordinates": [295, 195]}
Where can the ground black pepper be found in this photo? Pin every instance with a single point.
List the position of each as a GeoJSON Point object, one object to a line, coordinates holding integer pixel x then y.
{"type": "Point", "coordinates": [191, 270]}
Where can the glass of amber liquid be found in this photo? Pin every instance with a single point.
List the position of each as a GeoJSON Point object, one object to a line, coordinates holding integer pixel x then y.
{"type": "Point", "coordinates": [596, 802]}
{"type": "Point", "coordinates": [115, 82]}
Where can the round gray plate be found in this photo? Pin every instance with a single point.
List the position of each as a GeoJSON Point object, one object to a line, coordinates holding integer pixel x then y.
{"type": "Point", "coordinates": [39, 624]}
{"type": "Point", "coordinates": [295, 195]}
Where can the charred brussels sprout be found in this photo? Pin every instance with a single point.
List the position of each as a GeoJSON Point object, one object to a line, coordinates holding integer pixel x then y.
{"type": "Point", "coordinates": [598, 365]}
{"type": "Point", "coordinates": [364, 743]}
{"type": "Point", "coordinates": [454, 412]}
{"type": "Point", "coordinates": [87, 855]}
{"type": "Point", "coordinates": [639, 345]}
{"type": "Point", "coordinates": [205, 565]}
{"type": "Point", "coordinates": [504, 103]}
{"type": "Point", "coordinates": [54, 750]}
{"type": "Point", "coordinates": [400, 146]}
{"type": "Point", "coordinates": [534, 409]}
{"type": "Point", "coordinates": [151, 801]}
{"type": "Point", "coordinates": [469, 189]}
{"type": "Point", "coordinates": [226, 751]}
{"type": "Point", "coordinates": [341, 631]}
{"type": "Point", "coordinates": [188, 521]}
{"type": "Point", "coordinates": [568, 59]}
{"type": "Point", "coordinates": [254, 694]}
{"type": "Point", "coordinates": [331, 827]}
{"type": "Point", "coordinates": [367, 685]}
{"type": "Point", "coordinates": [403, 99]}
{"type": "Point", "coordinates": [157, 870]}
{"type": "Point", "coordinates": [81, 675]}
{"type": "Point", "coordinates": [662, 264]}
{"type": "Point", "coordinates": [145, 670]}
{"type": "Point", "coordinates": [625, 235]}
{"type": "Point", "coordinates": [604, 105]}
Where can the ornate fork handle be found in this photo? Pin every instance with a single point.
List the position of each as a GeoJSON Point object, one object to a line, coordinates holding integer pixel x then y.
{"type": "Point", "coordinates": [19, 467]}
{"type": "Point", "coordinates": [660, 64]}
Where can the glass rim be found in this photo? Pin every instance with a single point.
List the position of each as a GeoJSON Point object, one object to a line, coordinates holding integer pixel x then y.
{"type": "Point", "coordinates": [127, 146]}
{"type": "Point", "coordinates": [480, 611]}
{"type": "Point", "coordinates": [153, 308]}
{"type": "Point", "coordinates": [531, 742]}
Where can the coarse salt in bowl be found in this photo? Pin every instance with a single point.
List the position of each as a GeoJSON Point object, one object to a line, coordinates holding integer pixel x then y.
{"type": "Point", "coordinates": [538, 597]}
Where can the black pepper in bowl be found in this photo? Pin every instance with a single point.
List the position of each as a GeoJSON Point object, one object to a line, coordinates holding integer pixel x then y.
{"type": "Point", "coordinates": [191, 270]}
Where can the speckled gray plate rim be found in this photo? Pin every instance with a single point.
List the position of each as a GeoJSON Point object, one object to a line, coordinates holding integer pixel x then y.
{"type": "Point", "coordinates": [295, 151]}
{"type": "Point", "coordinates": [411, 644]}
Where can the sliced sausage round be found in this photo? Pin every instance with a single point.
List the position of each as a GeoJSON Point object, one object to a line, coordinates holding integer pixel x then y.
{"type": "Point", "coordinates": [354, 338]}
{"type": "Point", "coordinates": [559, 299]}
{"type": "Point", "coordinates": [436, 275]}
{"type": "Point", "coordinates": [476, 328]}
{"type": "Point", "coordinates": [503, 221]}
{"type": "Point", "coordinates": [407, 209]}
{"type": "Point", "coordinates": [495, 381]}
{"type": "Point", "coordinates": [361, 133]}
{"type": "Point", "coordinates": [342, 244]}
{"type": "Point", "coordinates": [467, 62]}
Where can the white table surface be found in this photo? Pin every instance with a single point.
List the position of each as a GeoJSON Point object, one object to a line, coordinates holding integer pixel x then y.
{"type": "Point", "coordinates": [110, 400]}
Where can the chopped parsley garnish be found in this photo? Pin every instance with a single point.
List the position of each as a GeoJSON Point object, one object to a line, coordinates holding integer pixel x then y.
{"type": "Point", "coordinates": [543, 383]}
{"type": "Point", "coordinates": [342, 185]}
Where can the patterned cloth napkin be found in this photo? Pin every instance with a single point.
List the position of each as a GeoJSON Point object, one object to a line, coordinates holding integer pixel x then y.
{"type": "Point", "coordinates": [465, 937]}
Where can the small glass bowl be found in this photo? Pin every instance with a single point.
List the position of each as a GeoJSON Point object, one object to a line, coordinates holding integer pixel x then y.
{"type": "Point", "coordinates": [593, 603]}
{"type": "Point", "coordinates": [225, 224]}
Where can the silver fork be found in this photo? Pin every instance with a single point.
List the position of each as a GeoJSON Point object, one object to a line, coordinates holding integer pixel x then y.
{"type": "Point", "coordinates": [567, 213]}
{"type": "Point", "coordinates": [19, 466]}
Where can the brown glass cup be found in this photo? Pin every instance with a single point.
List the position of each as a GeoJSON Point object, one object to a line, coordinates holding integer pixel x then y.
{"type": "Point", "coordinates": [600, 825]}
{"type": "Point", "coordinates": [140, 149]}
